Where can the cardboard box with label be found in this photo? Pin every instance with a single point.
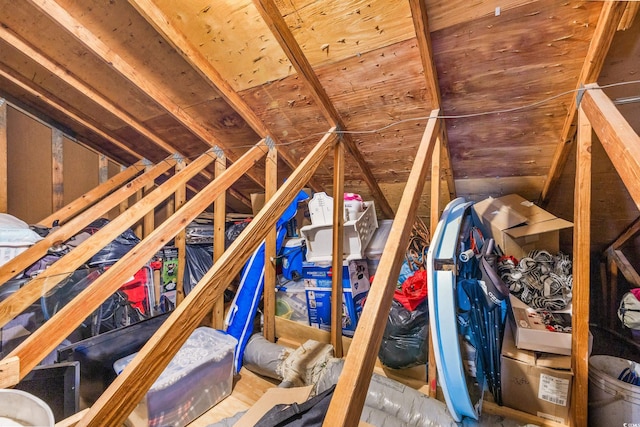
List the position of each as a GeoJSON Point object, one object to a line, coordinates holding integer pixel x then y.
{"type": "Point", "coordinates": [519, 226]}
{"type": "Point", "coordinates": [355, 285]}
{"type": "Point", "coordinates": [536, 383]}
{"type": "Point", "coordinates": [532, 332]}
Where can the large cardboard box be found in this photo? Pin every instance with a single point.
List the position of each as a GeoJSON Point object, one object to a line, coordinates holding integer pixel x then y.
{"type": "Point", "coordinates": [536, 383]}
{"type": "Point", "coordinates": [355, 287]}
{"type": "Point", "coordinates": [532, 332]}
{"type": "Point", "coordinates": [519, 226]}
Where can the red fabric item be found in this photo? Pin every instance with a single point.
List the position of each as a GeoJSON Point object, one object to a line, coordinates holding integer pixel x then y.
{"type": "Point", "coordinates": [636, 292]}
{"type": "Point", "coordinates": [413, 291]}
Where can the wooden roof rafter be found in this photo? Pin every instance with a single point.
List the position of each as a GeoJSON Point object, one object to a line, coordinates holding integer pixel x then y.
{"type": "Point", "coordinates": [608, 22]}
{"type": "Point", "coordinates": [276, 23]}
{"type": "Point", "coordinates": [421, 24]}
{"type": "Point", "coordinates": [61, 17]}
{"type": "Point", "coordinates": [156, 18]}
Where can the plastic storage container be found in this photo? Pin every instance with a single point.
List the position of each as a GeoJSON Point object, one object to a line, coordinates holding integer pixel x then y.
{"type": "Point", "coordinates": [198, 377]}
{"type": "Point", "coordinates": [19, 408]}
{"type": "Point", "coordinates": [373, 252]}
{"type": "Point", "coordinates": [319, 235]}
{"type": "Point", "coordinates": [291, 302]}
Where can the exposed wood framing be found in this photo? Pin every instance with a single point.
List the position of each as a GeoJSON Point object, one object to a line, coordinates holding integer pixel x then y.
{"type": "Point", "coordinates": [49, 335]}
{"type": "Point", "coordinates": [626, 235]}
{"type": "Point", "coordinates": [628, 271]}
{"type": "Point", "coordinates": [180, 198]}
{"type": "Point", "coordinates": [203, 66]}
{"type": "Point", "coordinates": [63, 74]}
{"type": "Point", "coordinates": [434, 216]}
{"type": "Point", "coordinates": [117, 402]}
{"type": "Point", "coordinates": [350, 393]}
{"type": "Point", "coordinates": [9, 371]}
{"type": "Point", "coordinates": [45, 281]}
{"type": "Point", "coordinates": [92, 196]}
{"type": "Point", "coordinates": [35, 252]}
{"type": "Point", "coordinates": [148, 222]}
{"type": "Point", "coordinates": [219, 238]}
{"type": "Point", "coordinates": [59, 15]}
{"type": "Point", "coordinates": [629, 15]}
{"type": "Point", "coordinates": [3, 156]}
{"type": "Point", "coordinates": [581, 272]}
{"type": "Point", "coordinates": [57, 170]}
{"type": "Point", "coordinates": [103, 169]}
{"type": "Point", "coordinates": [608, 21]}
{"type": "Point", "coordinates": [423, 36]}
{"type": "Point", "coordinates": [618, 138]}
{"type": "Point", "coordinates": [276, 23]}
{"type": "Point", "coordinates": [270, 249]}
{"type": "Point", "coordinates": [337, 248]}
{"type": "Point", "coordinates": [613, 291]}
{"type": "Point", "coordinates": [53, 103]}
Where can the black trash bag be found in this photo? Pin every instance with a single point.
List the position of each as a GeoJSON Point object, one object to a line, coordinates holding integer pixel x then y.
{"type": "Point", "coordinates": [405, 340]}
{"type": "Point", "coordinates": [233, 230]}
{"type": "Point", "coordinates": [116, 249]}
{"type": "Point", "coordinates": [199, 259]}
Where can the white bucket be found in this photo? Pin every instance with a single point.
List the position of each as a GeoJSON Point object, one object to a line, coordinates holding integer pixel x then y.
{"type": "Point", "coordinates": [23, 409]}
{"type": "Point", "coordinates": [612, 402]}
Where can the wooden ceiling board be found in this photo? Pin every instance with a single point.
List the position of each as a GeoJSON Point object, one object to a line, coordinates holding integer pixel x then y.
{"type": "Point", "coordinates": [30, 25]}
{"type": "Point", "coordinates": [238, 43]}
{"type": "Point", "coordinates": [492, 64]}
{"type": "Point", "coordinates": [34, 75]}
{"type": "Point", "coordinates": [128, 35]}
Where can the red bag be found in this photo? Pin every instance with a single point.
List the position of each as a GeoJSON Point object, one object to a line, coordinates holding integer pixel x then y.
{"type": "Point", "coordinates": [414, 290]}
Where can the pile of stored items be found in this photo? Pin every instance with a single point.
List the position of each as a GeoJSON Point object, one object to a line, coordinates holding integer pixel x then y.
{"type": "Point", "coordinates": [478, 277]}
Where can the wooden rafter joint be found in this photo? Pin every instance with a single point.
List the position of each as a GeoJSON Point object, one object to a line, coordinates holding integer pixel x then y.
{"type": "Point", "coordinates": [9, 371]}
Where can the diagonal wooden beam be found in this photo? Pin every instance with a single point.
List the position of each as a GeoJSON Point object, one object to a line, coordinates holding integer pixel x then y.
{"type": "Point", "coordinates": [60, 16]}
{"type": "Point", "coordinates": [63, 74]}
{"type": "Point", "coordinates": [276, 23]}
{"type": "Point", "coordinates": [64, 267]}
{"type": "Point", "coordinates": [618, 138]}
{"type": "Point", "coordinates": [423, 36]}
{"type": "Point", "coordinates": [157, 18]}
{"type": "Point", "coordinates": [117, 402]}
{"type": "Point", "coordinates": [350, 393]}
{"type": "Point", "coordinates": [608, 22]}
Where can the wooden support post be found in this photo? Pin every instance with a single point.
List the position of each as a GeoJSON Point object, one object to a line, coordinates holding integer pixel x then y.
{"type": "Point", "coordinates": [36, 251]}
{"type": "Point", "coordinates": [180, 197]}
{"type": "Point", "coordinates": [219, 236]}
{"type": "Point", "coordinates": [434, 215]}
{"type": "Point", "coordinates": [350, 393]}
{"type": "Point", "coordinates": [338, 248]}
{"type": "Point", "coordinates": [149, 219]}
{"type": "Point", "coordinates": [112, 408]}
{"type": "Point", "coordinates": [92, 196]}
{"type": "Point", "coordinates": [3, 156]}
{"type": "Point", "coordinates": [271, 186]}
{"type": "Point", "coordinates": [48, 336]}
{"type": "Point", "coordinates": [103, 169]}
{"type": "Point", "coordinates": [57, 173]}
{"type": "Point", "coordinates": [581, 271]}
{"type": "Point", "coordinates": [45, 281]}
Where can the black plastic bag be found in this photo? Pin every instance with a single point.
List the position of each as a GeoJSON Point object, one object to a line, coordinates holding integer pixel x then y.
{"type": "Point", "coordinates": [404, 342]}
{"type": "Point", "coordinates": [116, 249]}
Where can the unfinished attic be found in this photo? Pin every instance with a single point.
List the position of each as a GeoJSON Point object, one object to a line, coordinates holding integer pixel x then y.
{"type": "Point", "coordinates": [176, 179]}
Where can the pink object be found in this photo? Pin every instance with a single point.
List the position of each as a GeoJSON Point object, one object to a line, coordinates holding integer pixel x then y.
{"type": "Point", "coordinates": [353, 206]}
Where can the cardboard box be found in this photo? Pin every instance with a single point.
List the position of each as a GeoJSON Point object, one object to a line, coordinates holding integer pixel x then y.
{"type": "Point", "coordinates": [532, 333]}
{"type": "Point", "coordinates": [519, 226]}
{"type": "Point", "coordinates": [536, 383]}
{"type": "Point", "coordinates": [355, 287]}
